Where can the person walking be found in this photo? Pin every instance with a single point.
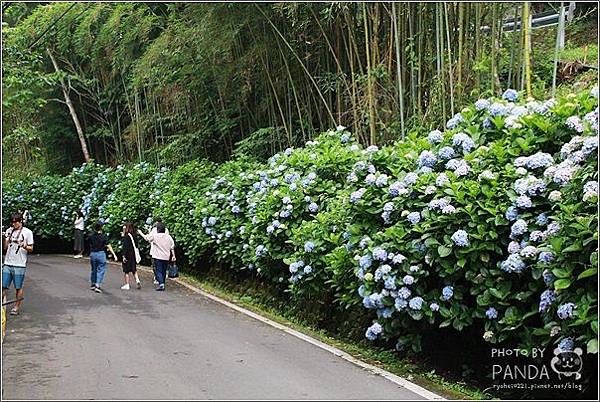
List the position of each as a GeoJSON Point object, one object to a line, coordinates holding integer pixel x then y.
{"type": "Point", "coordinates": [98, 246]}
{"type": "Point", "coordinates": [17, 243]}
{"type": "Point", "coordinates": [157, 220]}
{"type": "Point", "coordinates": [78, 234]}
{"type": "Point", "coordinates": [163, 251]}
{"type": "Point", "coordinates": [129, 257]}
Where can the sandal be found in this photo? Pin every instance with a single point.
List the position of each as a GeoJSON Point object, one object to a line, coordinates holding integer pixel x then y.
{"type": "Point", "coordinates": [14, 311]}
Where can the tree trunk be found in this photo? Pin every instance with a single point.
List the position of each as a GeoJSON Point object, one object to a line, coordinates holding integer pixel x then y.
{"type": "Point", "coordinates": [65, 92]}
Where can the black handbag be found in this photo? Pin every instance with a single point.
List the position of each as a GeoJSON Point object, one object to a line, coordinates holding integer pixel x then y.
{"type": "Point", "coordinates": [173, 271]}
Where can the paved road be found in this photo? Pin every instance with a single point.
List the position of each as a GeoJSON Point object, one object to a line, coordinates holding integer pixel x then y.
{"type": "Point", "coordinates": [71, 343]}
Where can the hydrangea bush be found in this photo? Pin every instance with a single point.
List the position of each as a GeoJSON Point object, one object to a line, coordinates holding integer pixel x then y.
{"type": "Point", "coordinates": [489, 224]}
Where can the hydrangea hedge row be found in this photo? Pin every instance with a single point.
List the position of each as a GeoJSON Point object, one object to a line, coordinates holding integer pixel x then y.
{"type": "Point", "coordinates": [490, 224]}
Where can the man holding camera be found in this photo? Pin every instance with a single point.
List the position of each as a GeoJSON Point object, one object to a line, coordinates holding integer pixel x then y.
{"type": "Point", "coordinates": [17, 243]}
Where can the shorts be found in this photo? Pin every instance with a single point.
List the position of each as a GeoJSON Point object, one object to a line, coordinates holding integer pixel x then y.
{"type": "Point", "coordinates": [11, 273]}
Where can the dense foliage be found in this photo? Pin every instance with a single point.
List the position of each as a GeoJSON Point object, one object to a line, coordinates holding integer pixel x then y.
{"type": "Point", "coordinates": [491, 223]}
{"type": "Point", "coordinates": [148, 80]}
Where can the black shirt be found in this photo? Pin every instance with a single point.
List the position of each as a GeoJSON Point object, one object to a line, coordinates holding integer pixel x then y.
{"type": "Point", "coordinates": [127, 248]}
{"type": "Point", "coordinates": [98, 242]}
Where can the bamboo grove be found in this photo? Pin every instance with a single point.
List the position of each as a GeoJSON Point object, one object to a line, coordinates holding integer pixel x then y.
{"type": "Point", "coordinates": [170, 82]}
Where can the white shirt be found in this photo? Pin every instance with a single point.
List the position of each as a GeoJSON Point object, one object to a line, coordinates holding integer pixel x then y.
{"type": "Point", "coordinates": [79, 223]}
{"type": "Point", "coordinates": [161, 245]}
{"type": "Point", "coordinates": [152, 233]}
{"type": "Point", "coordinates": [16, 255]}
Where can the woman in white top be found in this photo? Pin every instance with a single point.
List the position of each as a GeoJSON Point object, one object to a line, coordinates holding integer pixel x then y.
{"type": "Point", "coordinates": [162, 251]}
{"type": "Point", "coordinates": [78, 235]}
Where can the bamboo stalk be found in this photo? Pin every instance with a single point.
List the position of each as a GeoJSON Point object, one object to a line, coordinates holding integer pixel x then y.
{"type": "Point", "coordinates": [398, 72]}
{"type": "Point", "coordinates": [526, 48]}
{"type": "Point", "coordinates": [372, 136]}
{"type": "Point", "coordinates": [559, 33]}
{"type": "Point", "coordinates": [451, 78]}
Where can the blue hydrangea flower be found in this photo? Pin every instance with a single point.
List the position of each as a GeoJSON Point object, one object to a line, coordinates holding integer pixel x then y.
{"type": "Point", "coordinates": [410, 178]}
{"type": "Point", "coordinates": [404, 292]}
{"type": "Point", "coordinates": [482, 104]}
{"type": "Point", "coordinates": [388, 207]}
{"type": "Point", "coordinates": [398, 259]}
{"type": "Point", "coordinates": [541, 219]}
{"type": "Point", "coordinates": [510, 95]}
{"type": "Point", "coordinates": [512, 213]}
{"type": "Point", "coordinates": [381, 180]}
{"type": "Point", "coordinates": [454, 121]}
{"type": "Point", "coordinates": [427, 158]}
{"type": "Point", "coordinates": [260, 250]}
{"type": "Point", "coordinates": [270, 229]}
{"type": "Point", "coordinates": [529, 252]}
{"type": "Point", "coordinates": [416, 303]}
{"type": "Point", "coordinates": [524, 202]}
{"type": "Point", "coordinates": [539, 160]}
{"type": "Point", "coordinates": [212, 221]}
{"type": "Point", "coordinates": [357, 195]}
{"type": "Point", "coordinates": [379, 254]}
{"type": "Point", "coordinates": [400, 303]}
{"type": "Point", "coordinates": [385, 312]}
{"type": "Point", "coordinates": [553, 228]}
{"type": "Point", "coordinates": [574, 123]}
{"type": "Point", "coordinates": [548, 277]}
{"type": "Point", "coordinates": [498, 109]}
{"type": "Point", "coordinates": [565, 311]}
{"type": "Point", "coordinates": [408, 280]}
{"type": "Point", "coordinates": [537, 236]}
{"type": "Point", "coordinates": [463, 140]}
{"type": "Point", "coordinates": [547, 298]}
{"type": "Point", "coordinates": [518, 228]}
{"type": "Point", "coordinates": [434, 307]}
{"type": "Point", "coordinates": [491, 313]}
{"type": "Point", "coordinates": [414, 217]}
{"type": "Point", "coordinates": [442, 180]}
{"type": "Point", "coordinates": [382, 271]}
{"type": "Point", "coordinates": [307, 269]}
{"type": "Point", "coordinates": [374, 331]}
{"type": "Point", "coordinates": [446, 153]}
{"type": "Point", "coordinates": [435, 136]}
{"type": "Point", "coordinates": [365, 261]}
{"type": "Point", "coordinates": [460, 238]}
{"type": "Point", "coordinates": [313, 207]}
{"type": "Point", "coordinates": [513, 263]}
{"type": "Point", "coordinates": [396, 188]}
{"type": "Point", "coordinates": [309, 246]}
{"type": "Point", "coordinates": [566, 344]}
{"type": "Point", "coordinates": [546, 257]}
{"type": "Point", "coordinates": [449, 209]}
{"type": "Point", "coordinates": [447, 293]}
{"type": "Point", "coordinates": [370, 179]}
{"type": "Point", "coordinates": [390, 283]}
{"type": "Point", "coordinates": [345, 138]}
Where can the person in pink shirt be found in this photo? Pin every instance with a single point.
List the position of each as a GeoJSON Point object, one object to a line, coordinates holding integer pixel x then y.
{"type": "Point", "coordinates": [162, 251]}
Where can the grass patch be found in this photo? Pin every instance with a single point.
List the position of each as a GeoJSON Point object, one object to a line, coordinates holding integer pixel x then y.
{"type": "Point", "coordinates": [385, 359]}
{"type": "Point", "coordinates": [587, 54]}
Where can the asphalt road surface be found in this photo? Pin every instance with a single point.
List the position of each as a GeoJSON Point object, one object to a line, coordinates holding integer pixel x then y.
{"type": "Point", "coordinates": [72, 343]}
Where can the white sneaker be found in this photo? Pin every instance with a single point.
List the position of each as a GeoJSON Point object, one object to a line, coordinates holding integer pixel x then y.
{"type": "Point", "coordinates": [125, 287]}
{"type": "Point", "coordinates": [155, 282]}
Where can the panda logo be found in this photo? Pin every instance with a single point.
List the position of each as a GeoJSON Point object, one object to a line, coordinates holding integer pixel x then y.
{"type": "Point", "coordinates": [567, 363]}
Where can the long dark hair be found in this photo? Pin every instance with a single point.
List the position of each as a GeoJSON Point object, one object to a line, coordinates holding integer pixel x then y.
{"type": "Point", "coordinates": [79, 213]}
{"type": "Point", "coordinates": [129, 228]}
